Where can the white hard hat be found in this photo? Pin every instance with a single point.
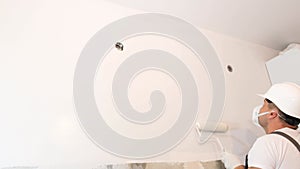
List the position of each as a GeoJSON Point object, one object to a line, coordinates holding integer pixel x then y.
{"type": "Point", "coordinates": [286, 96]}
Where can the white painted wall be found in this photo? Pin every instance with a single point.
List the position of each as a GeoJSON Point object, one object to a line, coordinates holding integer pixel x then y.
{"type": "Point", "coordinates": [40, 44]}
{"type": "Point", "coordinates": [249, 77]}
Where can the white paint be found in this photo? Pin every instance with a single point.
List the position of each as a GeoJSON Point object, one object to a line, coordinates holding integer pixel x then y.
{"type": "Point", "coordinates": [142, 86]}
{"type": "Point", "coordinates": [40, 43]}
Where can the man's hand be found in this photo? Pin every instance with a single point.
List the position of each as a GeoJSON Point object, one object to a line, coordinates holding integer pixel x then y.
{"type": "Point", "coordinates": [231, 161]}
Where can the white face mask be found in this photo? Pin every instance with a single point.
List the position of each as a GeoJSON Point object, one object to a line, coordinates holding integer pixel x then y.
{"type": "Point", "coordinates": [256, 114]}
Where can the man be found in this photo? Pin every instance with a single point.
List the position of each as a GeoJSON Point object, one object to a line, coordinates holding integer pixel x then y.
{"type": "Point", "coordinates": [280, 113]}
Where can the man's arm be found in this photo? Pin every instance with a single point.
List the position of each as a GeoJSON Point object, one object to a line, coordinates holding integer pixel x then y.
{"type": "Point", "coordinates": [243, 167]}
{"type": "Point", "coordinates": [240, 167]}
{"type": "Point", "coordinates": [231, 161]}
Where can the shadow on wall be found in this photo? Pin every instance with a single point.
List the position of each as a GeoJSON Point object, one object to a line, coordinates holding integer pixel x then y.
{"type": "Point", "coordinates": [162, 165]}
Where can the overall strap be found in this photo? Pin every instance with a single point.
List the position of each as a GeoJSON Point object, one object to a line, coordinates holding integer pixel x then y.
{"type": "Point", "coordinates": [246, 162]}
{"type": "Point", "coordinates": [289, 138]}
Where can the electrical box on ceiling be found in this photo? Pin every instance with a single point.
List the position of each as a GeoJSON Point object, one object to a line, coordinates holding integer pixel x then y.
{"type": "Point", "coordinates": [286, 66]}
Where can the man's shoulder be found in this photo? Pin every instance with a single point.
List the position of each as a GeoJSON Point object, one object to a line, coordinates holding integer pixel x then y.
{"type": "Point", "coordinates": [295, 134]}
{"type": "Point", "coordinates": [276, 137]}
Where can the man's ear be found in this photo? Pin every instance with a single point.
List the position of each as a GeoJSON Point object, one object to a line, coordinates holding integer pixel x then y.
{"type": "Point", "coordinates": [273, 113]}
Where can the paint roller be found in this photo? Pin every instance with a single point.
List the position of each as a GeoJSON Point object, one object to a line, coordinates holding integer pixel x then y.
{"type": "Point", "coordinates": [220, 127]}
{"type": "Point", "coordinates": [212, 127]}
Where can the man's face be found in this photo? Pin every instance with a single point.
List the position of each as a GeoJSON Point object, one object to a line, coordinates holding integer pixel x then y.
{"type": "Point", "coordinates": [263, 120]}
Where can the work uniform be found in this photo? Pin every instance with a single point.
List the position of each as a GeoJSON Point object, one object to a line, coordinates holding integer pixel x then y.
{"type": "Point", "coordinates": [273, 151]}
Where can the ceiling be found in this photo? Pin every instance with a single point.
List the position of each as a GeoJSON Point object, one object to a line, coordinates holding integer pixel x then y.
{"type": "Point", "coordinates": [272, 23]}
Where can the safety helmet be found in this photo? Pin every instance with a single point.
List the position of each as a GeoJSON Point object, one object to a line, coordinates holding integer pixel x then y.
{"type": "Point", "coordinates": [286, 96]}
